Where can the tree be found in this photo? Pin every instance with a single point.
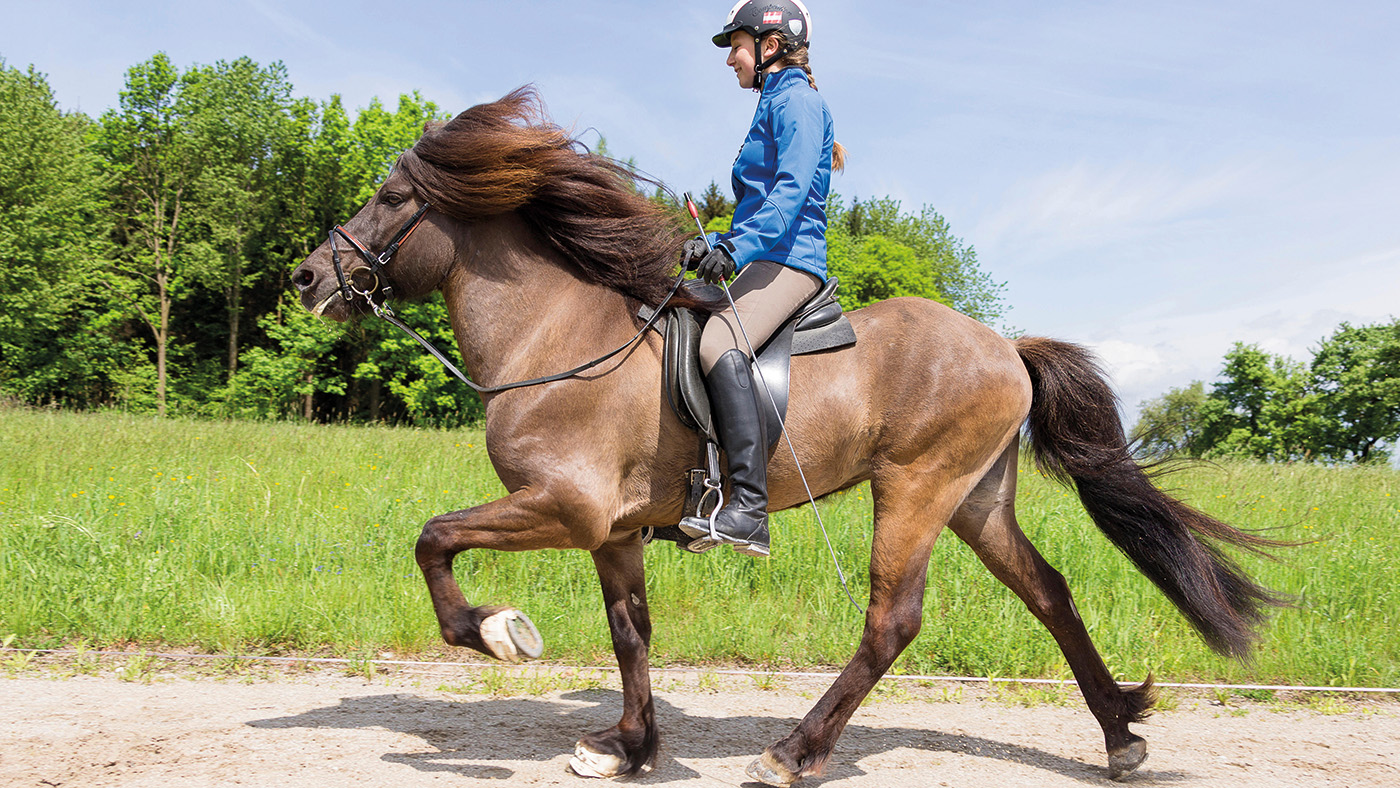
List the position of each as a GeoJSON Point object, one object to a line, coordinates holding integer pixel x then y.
{"type": "Point", "coordinates": [1261, 408]}
{"type": "Point", "coordinates": [154, 163]}
{"type": "Point", "coordinates": [234, 111]}
{"type": "Point", "coordinates": [54, 342]}
{"type": "Point", "coordinates": [1342, 407]}
{"type": "Point", "coordinates": [1356, 373]}
{"type": "Point", "coordinates": [875, 268]}
{"type": "Point", "coordinates": [943, 268]}
{"type": "Point", "coordinates": [713, 204]}
{"type": "Point", "coordinates": [1172, 423]}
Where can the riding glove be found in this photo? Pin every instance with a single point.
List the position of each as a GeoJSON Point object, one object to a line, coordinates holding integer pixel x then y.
{"type": "Point", "coordinates": [692, 252]}
{"type": "Point", "coordinates": [717, 266]}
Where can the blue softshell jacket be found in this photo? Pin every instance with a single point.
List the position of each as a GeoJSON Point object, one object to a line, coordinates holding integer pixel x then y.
{"type": "Point", "coordinates": [782, 177]}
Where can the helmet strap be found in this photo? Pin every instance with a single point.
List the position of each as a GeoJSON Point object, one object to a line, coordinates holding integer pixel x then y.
{"type": "Point", "coordinates": [760, 67]}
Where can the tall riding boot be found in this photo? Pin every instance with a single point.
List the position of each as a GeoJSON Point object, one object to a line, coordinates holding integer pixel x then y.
{"type": "Point", "coordinates": [734, 401]}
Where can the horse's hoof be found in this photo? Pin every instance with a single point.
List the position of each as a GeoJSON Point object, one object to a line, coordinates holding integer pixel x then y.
{"type": "Point", "coordinates": [587, 763]}
{"type": "Point", "coordinates": [768, 771]}
{"type": "Point", "coordinates": [1125, 761]}
{"type": "Point", "coordinates": [511, 636]}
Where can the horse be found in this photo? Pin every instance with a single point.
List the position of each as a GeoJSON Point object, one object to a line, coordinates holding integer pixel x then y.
{"type": "Point", "coordinates": [544, 253]}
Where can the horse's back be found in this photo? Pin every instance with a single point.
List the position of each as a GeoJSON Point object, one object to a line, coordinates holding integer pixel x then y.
{"type": "Point", "coordinates": [920, 378]}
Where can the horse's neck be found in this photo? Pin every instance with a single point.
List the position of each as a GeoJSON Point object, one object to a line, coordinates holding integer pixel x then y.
{"type": "Point", "coordinates": [518, 312]}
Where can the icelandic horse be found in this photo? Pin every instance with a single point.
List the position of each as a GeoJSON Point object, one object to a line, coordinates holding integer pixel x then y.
{"type": "Point", "coordinates": [544, 253]}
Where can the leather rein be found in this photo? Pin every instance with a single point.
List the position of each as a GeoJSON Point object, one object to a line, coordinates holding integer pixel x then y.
{"type": "Point", "coordinates": [375, 284]}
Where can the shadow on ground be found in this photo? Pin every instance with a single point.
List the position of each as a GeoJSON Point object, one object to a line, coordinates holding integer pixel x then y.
{"type": "Point", "coordinates": [467, 735]}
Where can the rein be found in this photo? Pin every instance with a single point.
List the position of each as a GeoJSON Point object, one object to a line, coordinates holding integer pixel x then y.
{"type": "Point", "coordinates": [349, 288]}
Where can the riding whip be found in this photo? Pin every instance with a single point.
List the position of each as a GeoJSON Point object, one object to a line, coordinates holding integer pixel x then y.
{"type": "Point", "coordinates": [753, 354]}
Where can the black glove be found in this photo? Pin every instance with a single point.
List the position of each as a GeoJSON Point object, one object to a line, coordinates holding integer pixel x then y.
{"type": "Point", "coordinates": [717, 265]}
{"type": "Point", "coordinates": [692, 252]}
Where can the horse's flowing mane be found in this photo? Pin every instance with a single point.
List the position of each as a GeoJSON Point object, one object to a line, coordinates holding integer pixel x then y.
{"type": "Point", "coordinates": [507, 156]}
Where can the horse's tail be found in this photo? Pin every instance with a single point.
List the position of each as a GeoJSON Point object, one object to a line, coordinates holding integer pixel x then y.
{"type": "Point", "coordinates": [1077, 439]}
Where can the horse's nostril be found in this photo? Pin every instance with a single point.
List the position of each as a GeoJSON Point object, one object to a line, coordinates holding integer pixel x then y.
{"type": "Point", "coordinates": [302, 278]}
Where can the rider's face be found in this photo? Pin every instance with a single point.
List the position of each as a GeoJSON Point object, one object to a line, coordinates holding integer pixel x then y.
{"type": "Point", "coordinates": [741, 58]}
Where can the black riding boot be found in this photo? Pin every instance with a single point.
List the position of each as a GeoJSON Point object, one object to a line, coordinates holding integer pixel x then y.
{"type": "Point", "coordinates": [734, 400]}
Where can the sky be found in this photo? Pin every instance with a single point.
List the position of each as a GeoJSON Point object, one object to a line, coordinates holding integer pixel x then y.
{"type": "Point", "coordinates": [1155, 180]}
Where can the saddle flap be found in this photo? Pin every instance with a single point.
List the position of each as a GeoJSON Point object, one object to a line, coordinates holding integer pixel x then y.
{"type": "Point", "coordinates": [685, 389]}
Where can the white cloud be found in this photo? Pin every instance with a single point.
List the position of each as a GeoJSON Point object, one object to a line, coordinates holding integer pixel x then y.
{"type": "Point", "coordinates": [1147, 357]}
{"type": "Point", "coordinates": [1089, 204]}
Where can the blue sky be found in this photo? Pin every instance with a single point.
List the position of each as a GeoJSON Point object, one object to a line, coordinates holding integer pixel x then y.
{"type": "Point", "coordinates": [1156, 180]}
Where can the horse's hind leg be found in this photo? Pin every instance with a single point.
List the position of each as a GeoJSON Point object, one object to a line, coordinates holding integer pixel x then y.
{"type": "Point", "coordinates": [911, 508]}
{"type": "Point", "coordinates": [631, 744]}
{"type": "Point", "coordinates": [987, 522]}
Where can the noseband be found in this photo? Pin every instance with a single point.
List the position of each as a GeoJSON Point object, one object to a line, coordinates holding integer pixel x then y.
{"type": "Point", "coordinates": [374, 264]}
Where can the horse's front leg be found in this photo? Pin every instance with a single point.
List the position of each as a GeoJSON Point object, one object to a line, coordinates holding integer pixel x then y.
{"type": "Point", "coordinates": [527, 519]}
{"type": "Point", "coordinates": [630, 745]}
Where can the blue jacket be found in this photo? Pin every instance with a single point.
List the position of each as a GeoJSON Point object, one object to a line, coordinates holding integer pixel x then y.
{"type": "Point", "coordinates": [781, 178]}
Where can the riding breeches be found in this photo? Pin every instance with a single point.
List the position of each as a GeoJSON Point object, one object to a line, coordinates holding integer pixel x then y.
{"type": "Point", "coordinates": [766, 295]}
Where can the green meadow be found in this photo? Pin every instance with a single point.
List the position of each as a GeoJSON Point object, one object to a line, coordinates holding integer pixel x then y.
{"type": "Point", "coordinates": [246, 537]}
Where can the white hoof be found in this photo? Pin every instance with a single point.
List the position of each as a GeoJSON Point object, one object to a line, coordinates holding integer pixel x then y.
{"type": "Point", "coordinates": [768, 771]}
{"type": "Point", "coordinates": [587, 763]}
{"type": "Point", "coordinates": [511, 636]}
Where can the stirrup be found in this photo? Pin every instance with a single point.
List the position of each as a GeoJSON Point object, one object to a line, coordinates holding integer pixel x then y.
{"type": "Point", "coordinates": [707, 538]}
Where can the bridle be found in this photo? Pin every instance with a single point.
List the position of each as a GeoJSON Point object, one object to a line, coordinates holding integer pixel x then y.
{"type": "Point", "coordinates": [379, 286]}
{"type": "Point", "coordinates": [349, 288]}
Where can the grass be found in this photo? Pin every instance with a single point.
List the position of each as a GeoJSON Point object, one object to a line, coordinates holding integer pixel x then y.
{"type": "Point", "coordinates": [232, 537]}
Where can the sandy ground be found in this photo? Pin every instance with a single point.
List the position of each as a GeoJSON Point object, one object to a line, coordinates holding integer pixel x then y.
{"type": "Point", "coordinates": [327, 729]}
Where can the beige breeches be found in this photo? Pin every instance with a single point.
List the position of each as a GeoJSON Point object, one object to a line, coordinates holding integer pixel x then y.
{"type": "Point", "coordinates": [766, 294]}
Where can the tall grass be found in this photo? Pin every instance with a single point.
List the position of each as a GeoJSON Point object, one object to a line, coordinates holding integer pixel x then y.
{"type": "Point", "coordinates": [274, 537]}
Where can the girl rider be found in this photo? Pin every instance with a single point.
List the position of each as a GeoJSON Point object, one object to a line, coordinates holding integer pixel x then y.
{"type": "Point", "coordinates": [777, 243]}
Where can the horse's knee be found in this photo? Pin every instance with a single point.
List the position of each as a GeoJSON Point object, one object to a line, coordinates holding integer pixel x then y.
{"type": "Point", "coordinates": [430, 547]}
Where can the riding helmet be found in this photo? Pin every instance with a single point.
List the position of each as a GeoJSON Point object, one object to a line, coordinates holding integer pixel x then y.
{"type": "Point", "coordinates": [757, 17]}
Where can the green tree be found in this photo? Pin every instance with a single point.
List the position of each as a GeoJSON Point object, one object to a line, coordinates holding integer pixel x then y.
{"type": "Point", "coordinates": [1173, 422]}
{"type": "Point", "coordinates": [155, 163]}
{"type": "Point", "coordinates": [234, 114]}
{"type": "Point", "coordinates": [282, 378]}
{"type": "Point", "coordinates": [1342, 407]}
{"type": "Point", "coordinates": [875, 267]}
{"type": "Point", "coordinates": [713, 204]}
{"type": "Point", "coordinates": [943, 267]}
{"type": "Point", "coordinates": [55, 342]}
{"type": "Point", "coordinates": [1262, 408]}
{"type": "Point", "coordinates": [1356, 374]}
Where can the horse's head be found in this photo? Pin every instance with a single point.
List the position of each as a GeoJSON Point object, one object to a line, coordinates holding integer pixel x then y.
{"type": "Point", "coordinates": [395, 246]}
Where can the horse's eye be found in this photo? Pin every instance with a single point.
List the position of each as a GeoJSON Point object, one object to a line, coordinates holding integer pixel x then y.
{"type": "Point", "coordinates": [393, 199]}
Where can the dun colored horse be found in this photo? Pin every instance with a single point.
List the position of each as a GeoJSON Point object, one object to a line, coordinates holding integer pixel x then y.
{"type": "Point", "coordinates": [544, 254]}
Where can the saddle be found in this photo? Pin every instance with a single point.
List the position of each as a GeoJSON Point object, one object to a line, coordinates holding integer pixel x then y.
{"type": "Point", "coordinates": [818, 325]}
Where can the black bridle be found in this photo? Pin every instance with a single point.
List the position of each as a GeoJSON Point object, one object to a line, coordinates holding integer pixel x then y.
{"type": "Point", "coordinates": [349, 288]}
{"type": "Point", "coordinates": [379, 285]}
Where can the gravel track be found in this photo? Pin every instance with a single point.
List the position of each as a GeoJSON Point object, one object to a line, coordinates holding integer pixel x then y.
{"type": "Point", "coordinates": [326, 729]}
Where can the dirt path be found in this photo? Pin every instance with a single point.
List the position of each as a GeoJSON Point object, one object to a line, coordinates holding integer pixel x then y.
{"type": "Point", "coordinates": [404, 731]}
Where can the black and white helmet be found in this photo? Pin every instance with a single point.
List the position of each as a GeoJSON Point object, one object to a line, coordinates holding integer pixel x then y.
{"type": "Point", "coordinates": [757, 17]}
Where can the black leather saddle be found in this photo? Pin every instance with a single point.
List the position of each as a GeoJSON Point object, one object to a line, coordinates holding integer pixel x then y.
{"type": "Point", "coordinates": [818, 325]}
